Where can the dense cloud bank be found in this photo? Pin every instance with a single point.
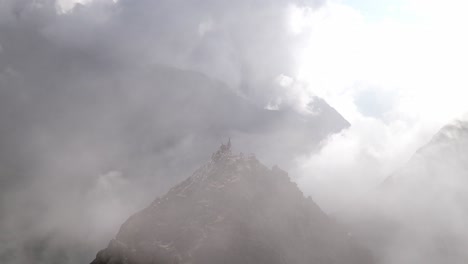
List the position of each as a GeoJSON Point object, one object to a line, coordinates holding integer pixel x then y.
{"type": "Point", "coordinates": [106, 105]}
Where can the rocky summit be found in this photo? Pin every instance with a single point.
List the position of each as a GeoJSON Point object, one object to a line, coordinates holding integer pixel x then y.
{"type": "Point", "coordinates": [232, 210]}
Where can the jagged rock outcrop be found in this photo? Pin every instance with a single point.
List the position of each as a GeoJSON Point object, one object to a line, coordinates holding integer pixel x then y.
{"type": "Point", "coordinates": [232, 210]}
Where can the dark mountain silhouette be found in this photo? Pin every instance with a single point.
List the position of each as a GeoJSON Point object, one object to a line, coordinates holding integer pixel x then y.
{"type": "Point", "coordinates": [232, 210]}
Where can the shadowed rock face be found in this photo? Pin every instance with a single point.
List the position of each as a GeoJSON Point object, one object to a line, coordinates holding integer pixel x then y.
{"type": "Point", "coordinates": [232, 210]}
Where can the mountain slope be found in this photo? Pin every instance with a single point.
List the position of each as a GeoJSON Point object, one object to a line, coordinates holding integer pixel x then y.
{"type": "Point", "coordinates": [443, 160]}
{"type": "Point", "coordinates": [232, 210]}
{"type": "Point", "coordinates": [145, 123]}
{"type": "Point", "coordinates": [419, 213]}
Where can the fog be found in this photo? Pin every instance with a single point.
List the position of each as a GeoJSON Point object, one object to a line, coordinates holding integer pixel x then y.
{"type": "Point", "coordinates": [104, 105]}
{"type": "Point", "coordinates": [103, 108]}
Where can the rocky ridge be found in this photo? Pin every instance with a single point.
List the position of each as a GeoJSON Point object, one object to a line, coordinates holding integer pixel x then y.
{"type": "Point", "coordinates": [232, 210]}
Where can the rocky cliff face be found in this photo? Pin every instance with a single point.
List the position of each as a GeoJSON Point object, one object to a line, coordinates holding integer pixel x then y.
{"type": "Point", "coordinates": [232, 210]}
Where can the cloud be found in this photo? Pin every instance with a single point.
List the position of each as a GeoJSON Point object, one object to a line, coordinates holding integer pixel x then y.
{"type": "Point", "coordinates": [354, 162]}
{"type": "Point", "coordinates": [79, 110]}
{"type": "Point", "coordinates": [418, 60]}
{"type": "Point", "coordinates": [397, 79]}
{"type": "Point", "coordinates": [95, 122]}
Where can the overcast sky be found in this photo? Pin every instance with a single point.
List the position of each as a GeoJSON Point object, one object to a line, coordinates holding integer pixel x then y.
{"type": "Point", "coordinates": [394, 69]}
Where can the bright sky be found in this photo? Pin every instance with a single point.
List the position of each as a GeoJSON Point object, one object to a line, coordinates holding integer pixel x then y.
{"type": "Point", "coordinates": [416, 61]}
{"type": "Point", "coordinates": [395, 69]}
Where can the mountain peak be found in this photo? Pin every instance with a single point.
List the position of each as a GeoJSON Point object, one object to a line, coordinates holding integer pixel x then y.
{"type": "Point", "coordinates": [224, 151]}
{"type": "Point", "coordinates": [232, 210]}
{"type": "Point", "coordinates": [454, 132]}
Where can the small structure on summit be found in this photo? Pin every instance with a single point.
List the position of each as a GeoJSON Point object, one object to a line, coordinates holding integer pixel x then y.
{"type": "Point", "coordinates": [227, 147]}
{"type": "Point", "coordinates": [223, 151]}
{"type": "Point", "coordinates": [233, 210]}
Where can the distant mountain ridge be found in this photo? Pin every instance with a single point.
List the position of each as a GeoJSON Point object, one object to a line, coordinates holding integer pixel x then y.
{"type": "Point", "coordinates": [419, 213]}
{"type": "Point", "coordinates": [232, 210]}
{"type": "Point", "coordinates": [444, 156]}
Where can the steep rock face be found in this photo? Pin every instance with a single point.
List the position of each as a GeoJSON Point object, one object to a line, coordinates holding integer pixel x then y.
{"type": "Point", "coordinates": [232, 210]}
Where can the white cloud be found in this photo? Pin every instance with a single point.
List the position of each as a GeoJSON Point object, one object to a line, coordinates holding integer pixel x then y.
{"type": "Point", "coordinates": [354, 162]}
{"type": "Point", "coordinates": [110, 181]}
{"type": "Point", "coordinates": [205, 26]}
{"type": "Point", "coordinates": [289, 92]}
{"type": "Point", "coordinates": [412, 72]}
{"type": "Point", "coordinates": [64, 6]}
{"type": "Point", "coordinates": [422, 62]}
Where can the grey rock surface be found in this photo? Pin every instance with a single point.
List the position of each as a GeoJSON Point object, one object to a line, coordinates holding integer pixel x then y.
{"type": "Point", "coordinates": [232, 210]}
